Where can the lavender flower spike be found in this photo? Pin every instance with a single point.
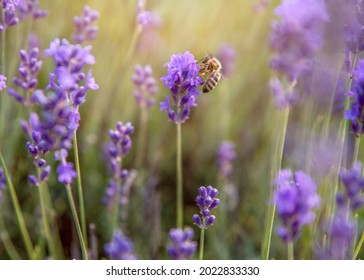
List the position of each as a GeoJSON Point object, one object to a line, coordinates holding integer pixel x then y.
{"type": "Point", "coordinates": [225, 156]}
{"type": "Point", "coordinates": [2, 183]}
{"type": "Point", "coordinates": [120, 247]}
{"type": "Point", "coordinates": [2, 82]}
{"type": "Point", "coordinates": [181, 247]}
{"type": "Point", "coordinates": [227, 55]}
{"type": "Point", "coordinates": [353, 182]}
{"type": "Point", "coordinates": [206, 201]}
{"type": "Point", "coordinates": [85, 30]}
{"type": "Point", "coordinates": [145, 86]}
{"type": "Point", "coordinates": [355, 113]}
{"type": "Point", "coordinates": [182, 79]}
{"type": "Point", "coordinates": [27, 76]}
{"type": "Point", "coordinates": [296, 37]}
{"type": "Point", "coordinates": [295, 197]}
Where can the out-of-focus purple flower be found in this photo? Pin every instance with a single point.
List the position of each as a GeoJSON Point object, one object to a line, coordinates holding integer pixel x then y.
{"type": "Point", "coordinates": [30, 8]}
{"type": "Point", "coordinates": [340, 233]}
{"type": "Point", "coordinates": [114, 187]}
{"type": "Point", "coordinates": [353, 182]}
{"type": "Point", "coordinates": [354, 26]}
{"type": "Point", "coordinates": [296, 37]}
{"type": "Point", "coordinates": [295, 197]}
{"type": "Point", "coordinates": [283, 97]}
{"type": "Point", "coordinates": [147, 19]}
{"type": "Point", "coordinates": [355, 113]}
{"type": "Point", "coordinates": [19, 10]}
{"type": "Point", "coordinates": [27, 76]}
{"type": "Point", "coordinates": [182, 247]}
{"type": "Point", "coordinates": [145, 86]}
{"type": "Point", "coordinates": [206, 201]}
{"type": "Point", "coordinates": [85, 30]}
{"type": "Point", "coordinates": [119, 145]}
{"type": "Point", "coordinates": [2, 183]}
{"type": "Point", "coordinates": [2, 82]}
{"type": "Point", "coordinates": [227, 55]}
{"type": "Point", "coordinates": [225, 156]}
{"type": "Point", "coordinates": [182, 79]}
{"type": "Point", "coordinates": [120, 247]}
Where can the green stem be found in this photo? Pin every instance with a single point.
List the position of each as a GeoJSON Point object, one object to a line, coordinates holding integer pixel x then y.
{"type": "Point", "coordinates": [19, 215]}
{"type": "Point", "coordinates": [76, 221]}
{"type": "Point", "coordinates": [290, 251]}
{"type": "Point", "coordinates": [79, 189]}
{"type": "Point", "coordinates": [142, 139]}
{"type": "Point", "coordinates": [8, 244]}
{"type": "Point", "coordinates": [50, 240]}
{"type": "Point", "coordinates": [358, 247]}
{"type": "Point", "coordinates": [179, 178]}
{"type": "Point", "coordinates": [356, 148]}
{"type": "Point", "coordinates": [272, 207]}
{"type": "Point", "coordinates": [202, 241]}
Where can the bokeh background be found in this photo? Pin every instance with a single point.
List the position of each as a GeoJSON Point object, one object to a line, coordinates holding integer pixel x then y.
{"type": "Point", "coordinates": [240, 109]}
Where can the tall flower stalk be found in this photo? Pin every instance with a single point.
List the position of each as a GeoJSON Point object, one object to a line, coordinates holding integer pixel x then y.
{"type": "Point", "coordinates": [206, 201]}
{"type": "Point", "coordinates": [182, 79]}
{"type": "Point", "coordinates": [19, 215]}
{"type": "Point", "coordinates": [295, 40]}
{"type": "Point", "coordinates": [145, 90]}
{"type": "Point", "coordinates": [296, 197]}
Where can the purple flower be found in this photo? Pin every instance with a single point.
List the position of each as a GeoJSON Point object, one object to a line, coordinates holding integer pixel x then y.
{"type": "Point", "coordinates": [145, 86]}
{"type": "Point", "coordinates": [353, 182]}
{"type": "Point", "coordinates": [355, 113]}
{"type": "Point", "coordinates": [2, 82]}
{"type": "Point", "coordinates": [119, 145]}
{"type": "Point", "coordinates": [120, 247]}
{"type": "Point", "coordinates": [296, 37]}
{"type": "Point", "coordinates": [227, 55]}
{"type": "Point", "coordinates": [182, 247]}
{"type": "Point", "coordinates": [147, 19]}
{"type": "Point", "coordinates": [65, 170]}
{"type": "Point", "coordinates": [27, 76]}
{"type": "Point", "coordinates": [354, 26]}
{"type": "Point", "coordinates": [19, 10]}
{"type": "Point", "coordinates": [30, 8]}
{"type": "Point", "coordinates": [2, 183]}
{"type": "Point", "coordinates": [85, 30]}
{"type": "Point", "coordinates": [340, 233]}
{"type": "Point", "coordinates": [182, 79]}
{"type": "Point", "coordinates": [295, 197]}
{"type": "Point", "coordinates": [225, 156]}
{"type": "Point", "coordinates": [206, 201]}
{"type": "Point", "coordinates": [283, 97]}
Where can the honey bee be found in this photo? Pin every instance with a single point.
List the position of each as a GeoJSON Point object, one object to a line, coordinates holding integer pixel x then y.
{"type": "Point", "coordinates": [211, 67]}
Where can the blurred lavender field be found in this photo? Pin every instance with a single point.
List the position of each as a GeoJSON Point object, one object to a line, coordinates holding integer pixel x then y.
{"type": "Point", "coordinates": [240, 138]}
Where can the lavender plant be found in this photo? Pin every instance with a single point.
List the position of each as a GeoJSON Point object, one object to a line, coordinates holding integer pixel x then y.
{"type": "Point", "coordinates": [181, 247]}
{"type": "Point", "coordinates": [118, 147]}
{"type": "Point", "coordinates": [295, 40]}
{"type": "Point", "coordinates": [182, 80]}
{"type": "Point", "coordinates": [206, 201]}
{"type": "Point", "coordinates": [120, 247]}
{"type": "Point", "coordinates": [144, 93]}
{"type": "Point", "coordinates": [296, 197]}
{"type": "Point", "coordinates": [85, 30]}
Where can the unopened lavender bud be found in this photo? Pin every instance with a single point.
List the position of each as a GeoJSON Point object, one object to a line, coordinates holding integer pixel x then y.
{"type": "Point", "coordinates": [197, 220]}
{"type": "Point", "coordinates": [45, 173]}
{"type": "Point", "coordinates": [33, 180]}
{"type": "Point", "coordinates": [209, 221]}
{"type": "Point", "coordinates": [41, 162]}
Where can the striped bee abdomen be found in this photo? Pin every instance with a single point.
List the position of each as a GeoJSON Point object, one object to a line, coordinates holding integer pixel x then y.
{"type": "Point", "coordinates": [211, 81]}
